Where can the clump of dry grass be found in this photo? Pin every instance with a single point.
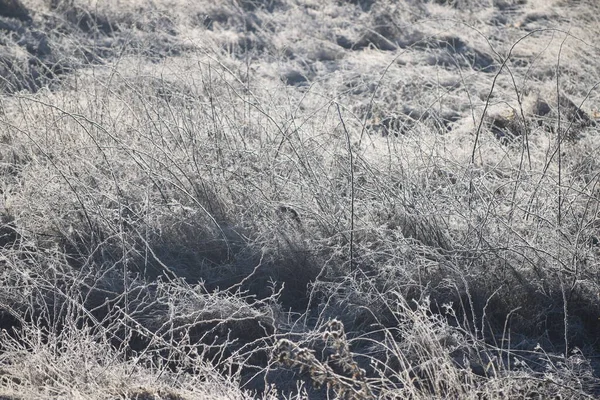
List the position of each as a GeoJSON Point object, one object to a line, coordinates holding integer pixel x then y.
{"type": "Point", "coordinates": [339, 372]}
{"type": "Point", "coordinates": [81, 362]}
{"type": "Point", "coordinates": [424, 357]}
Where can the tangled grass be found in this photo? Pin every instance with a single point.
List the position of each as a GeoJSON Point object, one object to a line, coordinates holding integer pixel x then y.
{"type": "Point", "coordinates": [294, 199]}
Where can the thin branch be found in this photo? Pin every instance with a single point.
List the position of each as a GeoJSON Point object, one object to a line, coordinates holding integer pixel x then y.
{"type": "Point", "coordinates": [351, 188]}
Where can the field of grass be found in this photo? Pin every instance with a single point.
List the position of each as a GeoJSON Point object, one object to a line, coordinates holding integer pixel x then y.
{"type": "Point", "coordinates": [299, 199]}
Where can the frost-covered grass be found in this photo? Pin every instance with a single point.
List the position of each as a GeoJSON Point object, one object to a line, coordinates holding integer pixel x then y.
{"type": "Point", "coordinates": [297, 198]}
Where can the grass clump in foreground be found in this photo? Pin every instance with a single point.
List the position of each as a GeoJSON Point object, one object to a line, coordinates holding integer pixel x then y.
{"type": "Point", "coordinates": [199, 203]}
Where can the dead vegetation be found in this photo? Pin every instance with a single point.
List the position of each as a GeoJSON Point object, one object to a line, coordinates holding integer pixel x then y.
{"type": "Point", "coordinates": [299, 199]}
